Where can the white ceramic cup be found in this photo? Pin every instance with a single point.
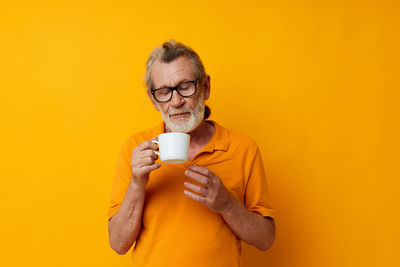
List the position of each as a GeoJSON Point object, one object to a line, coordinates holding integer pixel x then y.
{"type": "Point", "coordinates": [173, 147]}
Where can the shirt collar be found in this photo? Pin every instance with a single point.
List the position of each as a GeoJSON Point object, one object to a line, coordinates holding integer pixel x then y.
{"type": "Point", "coordinates": [220, 140]}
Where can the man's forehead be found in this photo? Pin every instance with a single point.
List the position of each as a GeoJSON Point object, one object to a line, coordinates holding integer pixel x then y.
{"type": "Point", "coordinates": [172, 73]}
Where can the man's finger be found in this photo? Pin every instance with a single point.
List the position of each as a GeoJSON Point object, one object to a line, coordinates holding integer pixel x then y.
{"type": "Point", "coordinates": [196, 176]}
{"type": "Point", "coordinates": [202, 170]}
{"type": "Point", "coordinates": [153, 167]}
{"type": "Point", "coordinates": [149, 153]}
{"type": "Point", "coordinates": [145, 162]}
{"type": "Point", "coordinates": [147, 145]}
{"type": "Point", "coordinates": [195, 197]}
{"type": "Point", "coordinates": [195, 188]}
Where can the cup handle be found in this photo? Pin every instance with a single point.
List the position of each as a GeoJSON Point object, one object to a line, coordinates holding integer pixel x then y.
{"type": "Point", "coordinates": [156, 142]}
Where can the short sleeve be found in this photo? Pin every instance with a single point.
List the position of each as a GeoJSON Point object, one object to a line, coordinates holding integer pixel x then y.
{"type": "Point", "coordinates": [122, 177]}
{"type": "Point", "coordinates": [256, 192]}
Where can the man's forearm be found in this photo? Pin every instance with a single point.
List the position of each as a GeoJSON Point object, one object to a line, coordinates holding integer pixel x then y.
{"type": "Point", "coordinates": [249, 226]}
{"type": "Point", "coordinates": [124, 226]}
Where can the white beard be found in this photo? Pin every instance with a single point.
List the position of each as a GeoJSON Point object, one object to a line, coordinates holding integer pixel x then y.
{"type": "Point", "coordinates": [185, 125]}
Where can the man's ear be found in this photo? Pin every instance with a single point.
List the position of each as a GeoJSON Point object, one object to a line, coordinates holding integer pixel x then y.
{"type": "Point", "coordinates": [207, 87]}
{"type": "Point", "coordinates": [153, 101]}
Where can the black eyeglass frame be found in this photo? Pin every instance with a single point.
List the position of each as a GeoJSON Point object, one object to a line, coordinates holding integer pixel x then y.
{"type": "Point", "coordinates": [175, 88]}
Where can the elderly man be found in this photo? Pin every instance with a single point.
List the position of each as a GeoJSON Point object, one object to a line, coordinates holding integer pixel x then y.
{"type": "Point", "coordinates": [195, 213]}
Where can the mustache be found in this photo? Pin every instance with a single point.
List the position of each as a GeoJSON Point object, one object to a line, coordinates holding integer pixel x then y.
{"type": "Point", "coordinates": [179, 111]}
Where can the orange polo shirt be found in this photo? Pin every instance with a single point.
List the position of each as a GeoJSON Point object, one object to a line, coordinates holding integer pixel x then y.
{"type": "Point", "coordinates": [178, 231]}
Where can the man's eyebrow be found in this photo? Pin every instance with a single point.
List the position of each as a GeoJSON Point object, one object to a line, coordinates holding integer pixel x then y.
{"type": "Point", "coordinates": [181, 81]}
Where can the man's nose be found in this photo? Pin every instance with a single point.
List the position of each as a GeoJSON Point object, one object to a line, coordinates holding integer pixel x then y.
{"type": "Point", "coordinates": [176, 100]}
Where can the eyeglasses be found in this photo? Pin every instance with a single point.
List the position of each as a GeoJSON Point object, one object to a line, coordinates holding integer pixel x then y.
{"type": "Point", "coordinates": [184, 89]}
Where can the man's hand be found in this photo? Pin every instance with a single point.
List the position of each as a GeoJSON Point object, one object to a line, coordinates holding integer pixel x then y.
{"type": "Point", "coordinates": [248, 226]}
{"type": "Point", "coordinates": [212, 193]}
{"type": "Point", "coordinates": [143, 162]}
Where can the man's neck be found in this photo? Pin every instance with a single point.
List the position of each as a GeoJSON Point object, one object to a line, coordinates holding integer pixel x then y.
{"type": "Point", "coordinates": [200, 137]}
{"type": "Point", "coordinates": [202, 134]}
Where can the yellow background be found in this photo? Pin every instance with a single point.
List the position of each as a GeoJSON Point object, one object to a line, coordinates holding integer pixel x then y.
{"type": "Point", "coordinates": [315, 83]}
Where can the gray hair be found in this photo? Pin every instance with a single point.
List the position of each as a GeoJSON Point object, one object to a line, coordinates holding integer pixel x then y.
{"type": "Point", "coordinates": [168, 52]}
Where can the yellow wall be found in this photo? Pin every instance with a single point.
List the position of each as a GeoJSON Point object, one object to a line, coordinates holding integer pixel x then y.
{"type": "Point", "coordinates": [316, 83]}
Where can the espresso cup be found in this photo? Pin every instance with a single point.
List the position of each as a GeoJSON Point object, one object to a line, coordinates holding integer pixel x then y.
{"type": "Point", "coordinates": [173, 147]}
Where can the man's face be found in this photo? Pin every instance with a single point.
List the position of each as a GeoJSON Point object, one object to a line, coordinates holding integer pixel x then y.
{"type": "Point", "coordinates": [180, 114]}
